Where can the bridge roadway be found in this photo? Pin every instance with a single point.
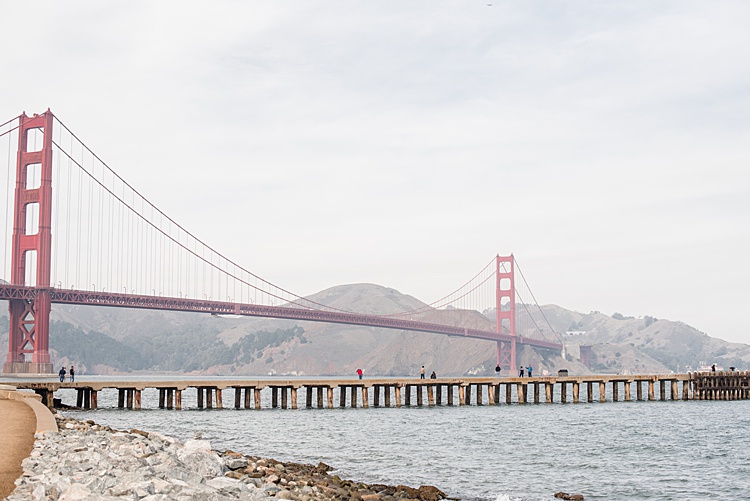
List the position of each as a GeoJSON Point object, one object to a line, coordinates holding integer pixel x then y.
{"type": "Point", "coordinates": [398, 392]}
{"type": "Point", "coordinates": [67, 296]}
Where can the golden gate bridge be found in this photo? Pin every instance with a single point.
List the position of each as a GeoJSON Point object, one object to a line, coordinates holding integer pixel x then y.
{"type": "Point", "coordinates": [77, 233]}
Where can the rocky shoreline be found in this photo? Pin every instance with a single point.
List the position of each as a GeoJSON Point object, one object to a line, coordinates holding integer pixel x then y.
{"type": "Point", "coordinates": [87, 461]}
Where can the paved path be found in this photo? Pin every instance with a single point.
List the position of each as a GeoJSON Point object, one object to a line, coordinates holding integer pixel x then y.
{"type": "Point", "coordinates": [18, 424]}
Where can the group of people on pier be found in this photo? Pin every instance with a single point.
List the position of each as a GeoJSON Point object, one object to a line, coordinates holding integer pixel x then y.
{"type": "Point", "coordinates": [421, 373]}
{"type": "Point", "coordinates": [72, 374]}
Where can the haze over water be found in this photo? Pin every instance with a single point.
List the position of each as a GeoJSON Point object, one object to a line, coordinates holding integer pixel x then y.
{"type": "Point", "coordinates": [693, 450]}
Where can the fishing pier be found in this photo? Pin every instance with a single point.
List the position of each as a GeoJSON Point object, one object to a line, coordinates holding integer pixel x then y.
{"type": "Point", "coordinates": [399, 392]}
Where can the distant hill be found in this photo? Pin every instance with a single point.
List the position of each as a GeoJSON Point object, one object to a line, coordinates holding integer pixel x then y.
{"type": "Point", "coordinates": [628, 344]}
{"type": "Point", "coordinates": [113, 340]}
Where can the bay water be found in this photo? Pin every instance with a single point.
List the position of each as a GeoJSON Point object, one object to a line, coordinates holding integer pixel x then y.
{"type": "Point", "coordinates": [660, 450]}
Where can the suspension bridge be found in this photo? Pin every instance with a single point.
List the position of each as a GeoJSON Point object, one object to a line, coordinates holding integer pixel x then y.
{"type": "Point", "coordinates": [77, 233]}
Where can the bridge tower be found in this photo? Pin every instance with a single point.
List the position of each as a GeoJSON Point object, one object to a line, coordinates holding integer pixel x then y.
{"type": "Point", "coordinates": [28, 335]}
{"type": "Point", "coordinates": [505, 290]}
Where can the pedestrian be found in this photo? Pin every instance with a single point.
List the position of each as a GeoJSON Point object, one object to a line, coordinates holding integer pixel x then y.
{"type": "Point", "coordinates": [72, 374]}
{"type": "Point", "coordinates": [359, 373]}
{"type": "Point", "coordinates": [528, 370]}
{"type": "Point", "coordinates": [497, 370]}
{"type": "Point", "coordinates": [62, 374]}
{"type": "Point", "coordinates": [713, 368]}
{"type": "Point", "coordinates": [433, 375]}
{"type": "Point", "coordinates": [421, 373]}
{"type": "Point", "coordinates": [520, 372]}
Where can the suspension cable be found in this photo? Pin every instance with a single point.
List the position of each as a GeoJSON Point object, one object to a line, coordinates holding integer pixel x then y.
{"type": "Point", "coordinates": [431, 306]}
{"type": "Point", "coordinates": [535, 301]}
{"type": "Point", "coordinates": [176, 225]}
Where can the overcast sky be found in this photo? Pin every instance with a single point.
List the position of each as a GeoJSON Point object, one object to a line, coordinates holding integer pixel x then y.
{"type": "Point", "coordinates": [605, 144]}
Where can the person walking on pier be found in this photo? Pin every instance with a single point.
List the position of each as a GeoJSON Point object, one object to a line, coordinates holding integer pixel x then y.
{"type": "Point", "coordinates": [62, 374]}
{"type": "Point", "coordinates": [528, 370]}
{"type": "Point", "coordinates": [72, 374]}
{"type": "Point", "coordinates": [421, 373]}
{"type": "Point", "coordinates": [359, 373]}
{"type": "Point", "coordinates": [520, 371]}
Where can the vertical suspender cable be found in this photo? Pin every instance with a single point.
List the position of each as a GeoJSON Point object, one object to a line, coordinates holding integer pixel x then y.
{"type": "Point", "coordinates": [129, 278]}
{"type": "Point", "coordinates": [123, 244]}
{"type": "Point", "coordinates": [161, 254]}
{"type": "Point", "coordinates": [100, 226]}
{"type": "Point", "coordinates": [7, 210]}
{"type": "Point", "coordinates": [118, 244]}
{"type": "Point", "coordinates": [110, 243]}
{"type": "Point", "coordinates": [54, 264]}
{"type": "Point", "coordinates": [79, 232]}
{"type": "Point", "coordinates": [67, 224]}
{"type": "Point", "coordinates": [139, 238]}
{"type": "Point", "coordinates": [90, 257]}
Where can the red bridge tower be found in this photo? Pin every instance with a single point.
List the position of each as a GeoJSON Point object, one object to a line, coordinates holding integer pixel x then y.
{"type": "Point", "coordinates": [505, 289]}
{"type": "Point", "coordinates": [28, 347]}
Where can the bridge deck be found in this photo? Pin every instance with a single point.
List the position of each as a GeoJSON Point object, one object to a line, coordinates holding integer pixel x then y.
{"type": "Point", "coordinates": [113, 299]}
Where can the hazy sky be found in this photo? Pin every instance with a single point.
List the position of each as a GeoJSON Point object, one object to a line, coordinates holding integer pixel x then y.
{"type": "Point", "coordinates": [605, 144]}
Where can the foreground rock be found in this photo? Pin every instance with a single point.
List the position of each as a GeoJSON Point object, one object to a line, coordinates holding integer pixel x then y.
{"type": "Point", "coordinates": [86, 461]}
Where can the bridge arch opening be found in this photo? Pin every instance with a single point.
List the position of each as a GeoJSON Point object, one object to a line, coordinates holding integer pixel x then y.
{"type": "Point", "coordinates": [34, 139]}
{"type": "Point", "coordinates": [33, 176]}
{"type": "Point", "coordinates": [30, 258]}
{"type": "Point", "coordinates": [32, 219]}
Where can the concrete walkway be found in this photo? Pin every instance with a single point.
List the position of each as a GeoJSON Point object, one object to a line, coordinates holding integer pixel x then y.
{"type": "Point", "coordinates": [21, 415]}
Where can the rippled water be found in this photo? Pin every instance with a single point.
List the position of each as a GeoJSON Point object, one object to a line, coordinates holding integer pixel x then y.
{"type": "Point", "coordinates": [614, 451]}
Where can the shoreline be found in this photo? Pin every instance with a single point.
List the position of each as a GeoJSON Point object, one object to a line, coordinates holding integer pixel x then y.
{"type": "Point", "coordinates": [86, 460]}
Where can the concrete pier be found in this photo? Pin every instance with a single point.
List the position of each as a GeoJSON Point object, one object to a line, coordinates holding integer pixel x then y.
{"type": "Point", "coordinates": [719, 386]}
{"type": "Point", "coordinates": [389, 392]}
